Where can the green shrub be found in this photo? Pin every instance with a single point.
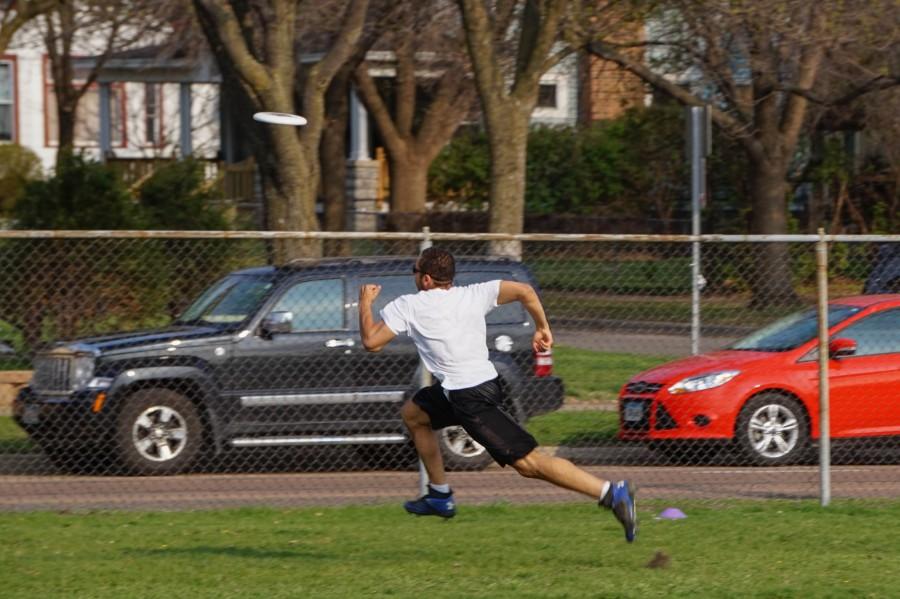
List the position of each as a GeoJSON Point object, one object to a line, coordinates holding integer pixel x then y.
{"type": "Point", "coordinates": [176, 197]}
{"type": "Point", "coordinates": [101, 285]}
{"type": "Point", "coordinates": [18, 166]}
{"type": "Point", "coordinates": [461, 172]}
{"type": "Point", "coordinates": [81, 195]}
{"type": "Point", "coordinates": [633, 167]}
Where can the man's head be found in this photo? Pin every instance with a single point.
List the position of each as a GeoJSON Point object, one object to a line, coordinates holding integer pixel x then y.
{"type": "Point", "coordinates": [438, 265]}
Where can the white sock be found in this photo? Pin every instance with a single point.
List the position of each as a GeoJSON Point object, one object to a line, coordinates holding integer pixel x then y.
{"type": "Point", "coordinates": [445, 488]}
{"type": "Point", "coordinates": [605, 490]}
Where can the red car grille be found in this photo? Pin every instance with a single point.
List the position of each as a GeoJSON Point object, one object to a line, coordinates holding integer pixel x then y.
{"type": "Point", "coordinates": [642, 387]}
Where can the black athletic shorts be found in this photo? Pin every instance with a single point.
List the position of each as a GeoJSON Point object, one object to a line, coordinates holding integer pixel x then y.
{"type": "Point", "coordinates": [477, 409]}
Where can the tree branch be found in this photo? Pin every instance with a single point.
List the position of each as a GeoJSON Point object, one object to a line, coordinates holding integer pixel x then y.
{"type": "Point", "coordinates": [876, 84]}
{"type": "Point", "coordinates": [377, 109]}
{"type": "Point", "coordinates": [16, 18]}
{"type": "Point", "coordinates": [536, 53]}
{"type": "Point", "coordinates": [228, 30]}
{"type": "Point", "coordinates": [810, 61]}
{"type": "Point", "coordinates": [732, 125]}
{"type": "Point", "coordinates": [344, 45]}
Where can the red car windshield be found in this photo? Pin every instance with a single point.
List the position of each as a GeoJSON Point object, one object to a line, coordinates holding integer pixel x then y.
{"type": "Point", "coordinates": [794, 330]}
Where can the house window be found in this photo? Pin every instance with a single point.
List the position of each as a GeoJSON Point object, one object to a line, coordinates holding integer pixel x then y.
{"type": "Point", "coordinates": [87, 125]}
{"type": "Point", "coordinates": [7, 102]}
{"type": "Point", "coordinates": [153, 114]}
{"type": "Point", "coordinates": [547, 95]}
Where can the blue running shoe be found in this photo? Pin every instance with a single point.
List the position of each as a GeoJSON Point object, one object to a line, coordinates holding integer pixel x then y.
{"type": "Point", "coordinates": [434, 503]}
{"type": "Point", "coordinates": [620, 499]}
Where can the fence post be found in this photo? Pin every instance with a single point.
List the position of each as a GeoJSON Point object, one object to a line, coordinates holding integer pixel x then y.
{"type": "Point", "coordinates": [824, 422]}
{"type": "Point", "coordinates": [424, 375]}
{"type": "Point", "coordinates": [699, 146]}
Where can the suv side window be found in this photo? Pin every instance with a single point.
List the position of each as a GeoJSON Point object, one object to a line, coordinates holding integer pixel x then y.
{"type": "Point", "coordinates": [512, 313]}
{"type": "Point", "coordinates": [393, 286]}
{"type": "Point", "coordinates": [316, 305]}
{"type": "Point", "coordinates": [876, 334]}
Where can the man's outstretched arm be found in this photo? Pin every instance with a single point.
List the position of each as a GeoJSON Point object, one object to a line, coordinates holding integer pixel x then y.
{"type": "Point", "coordinates": [512, 291]}
{"type": "Point", "coordinates": [374, 336]}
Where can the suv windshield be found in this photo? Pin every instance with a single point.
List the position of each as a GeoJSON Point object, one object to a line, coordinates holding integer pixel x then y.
{"type": "Point", "coordinates": [794, 330]}
{"type": "Point", "coordinates": [229, 301]}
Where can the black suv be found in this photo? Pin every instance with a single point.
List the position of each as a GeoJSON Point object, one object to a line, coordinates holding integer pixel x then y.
{"type": "Point", "coordinates": [266, 357]}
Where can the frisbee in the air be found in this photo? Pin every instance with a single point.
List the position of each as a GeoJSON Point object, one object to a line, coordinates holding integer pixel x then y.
{"type": "Point", "coordinates": [279, 118]}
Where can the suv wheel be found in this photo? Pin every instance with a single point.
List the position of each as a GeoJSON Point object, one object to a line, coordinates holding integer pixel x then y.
{"type": "Point", "coordinates": [460, 451]}
{"type": "Point", "coordinates": [158, 432]}
{"type": "Point", "coordinates": [773, 430]}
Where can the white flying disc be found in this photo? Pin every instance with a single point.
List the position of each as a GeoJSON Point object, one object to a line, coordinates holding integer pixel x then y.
{"type": "Point", "coordinates": [279, 118]}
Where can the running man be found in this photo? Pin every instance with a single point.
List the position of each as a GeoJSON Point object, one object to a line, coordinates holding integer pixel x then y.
{"type": "Point", "coordinates": [447, 325]}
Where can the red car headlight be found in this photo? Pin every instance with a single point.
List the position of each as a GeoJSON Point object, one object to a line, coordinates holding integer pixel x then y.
{"type": "Point", "coordinates": [703, 382]}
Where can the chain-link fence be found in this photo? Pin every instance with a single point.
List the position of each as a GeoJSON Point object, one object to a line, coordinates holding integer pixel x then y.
{"type": "Point", "coordinates": [171, 370]}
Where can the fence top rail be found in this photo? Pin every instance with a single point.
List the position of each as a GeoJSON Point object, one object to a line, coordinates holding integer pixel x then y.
{"type": "Point", "coordinates": [421, 235]}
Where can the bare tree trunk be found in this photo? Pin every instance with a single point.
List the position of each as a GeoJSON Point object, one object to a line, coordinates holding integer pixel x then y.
{"type": "Point", "coordinates": [66, 124]}
{"type": "Point", "coordinates": [294, 177]}
{"type": "Point", "coordinates": [507, 188]}
{"type": "Point", "coordinates": [771, 278]}
{"type": "Point", "coordinates": [334, 160]}
{"type": "Point", "coordinates": [509, 95]}
{"type": "Point", "coordinates": [409, 187]}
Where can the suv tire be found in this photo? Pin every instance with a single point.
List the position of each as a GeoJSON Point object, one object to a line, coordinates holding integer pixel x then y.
{"type": "Point", "coordinates": [158, 432]}
{"type": "Point", "coordinates": [460, 451]}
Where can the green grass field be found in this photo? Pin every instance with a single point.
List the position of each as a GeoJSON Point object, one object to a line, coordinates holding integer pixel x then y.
{"type": "Point", "coordinates": [12, 438]}
{"type": "Point", "coordinates": [596, 376]}
{"type": "Point", "coordinates": [765, 549]}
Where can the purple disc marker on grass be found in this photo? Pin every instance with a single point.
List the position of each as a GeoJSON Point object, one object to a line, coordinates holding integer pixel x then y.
{"type": "Point", "coordinates": [672, 513]}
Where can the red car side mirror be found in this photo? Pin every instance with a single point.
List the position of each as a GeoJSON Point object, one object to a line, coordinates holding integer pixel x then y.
{"type": "Point", "coordinates": [841, 348]}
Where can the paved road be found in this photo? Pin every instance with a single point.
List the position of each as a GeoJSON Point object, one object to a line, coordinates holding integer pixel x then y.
{"type": "Point", "coordinates": [636, 343]}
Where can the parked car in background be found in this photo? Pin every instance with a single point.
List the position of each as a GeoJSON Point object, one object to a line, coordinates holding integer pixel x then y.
{"type": "Point", "coordinates": [266, 357]}
{"type": "Point", "coordinates": [885, 275]}
{"type": "Point", "coordinates": [762, 393]}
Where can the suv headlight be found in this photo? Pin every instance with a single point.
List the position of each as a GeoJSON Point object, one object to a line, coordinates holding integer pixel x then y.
{"type": "Point", "coordinates": [703, 382]}
{"type": "Point", "coordinates": [82, 371]}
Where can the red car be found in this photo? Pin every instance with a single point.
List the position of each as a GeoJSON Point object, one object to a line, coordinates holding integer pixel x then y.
{"type": "Point", "coordinates": [762, 393]}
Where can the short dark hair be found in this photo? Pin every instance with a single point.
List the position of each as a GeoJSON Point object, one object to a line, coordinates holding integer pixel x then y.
{"type": "Point", "coordinates": [439, 264]}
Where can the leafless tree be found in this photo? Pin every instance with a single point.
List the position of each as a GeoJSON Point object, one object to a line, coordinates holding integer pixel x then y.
{"type": "Point", "coordinates": [98, 28]}
{"type": "Point", "coordinates": [760, 65]}
{"type": "Point", "coordinates": [511, 44]}
{"type": "Point", "coordinates": [431, 94]}
{"type": "Point", "coordinates": [258, 45]}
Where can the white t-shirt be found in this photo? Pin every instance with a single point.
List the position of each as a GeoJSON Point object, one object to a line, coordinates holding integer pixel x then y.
{"type": "Point", "coordinates": [449, 329]}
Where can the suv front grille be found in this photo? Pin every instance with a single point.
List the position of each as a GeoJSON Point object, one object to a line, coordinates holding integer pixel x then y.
{"type": "Point", "coordinates": [52, 374]}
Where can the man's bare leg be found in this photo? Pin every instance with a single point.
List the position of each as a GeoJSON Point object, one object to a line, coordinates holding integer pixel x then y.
{"type": "Point", "coordinates": [618, 497]}
{"type": "Point", "coordinates": [419, 425]}
{"type": "Point", "coordinates": [560, 472]}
